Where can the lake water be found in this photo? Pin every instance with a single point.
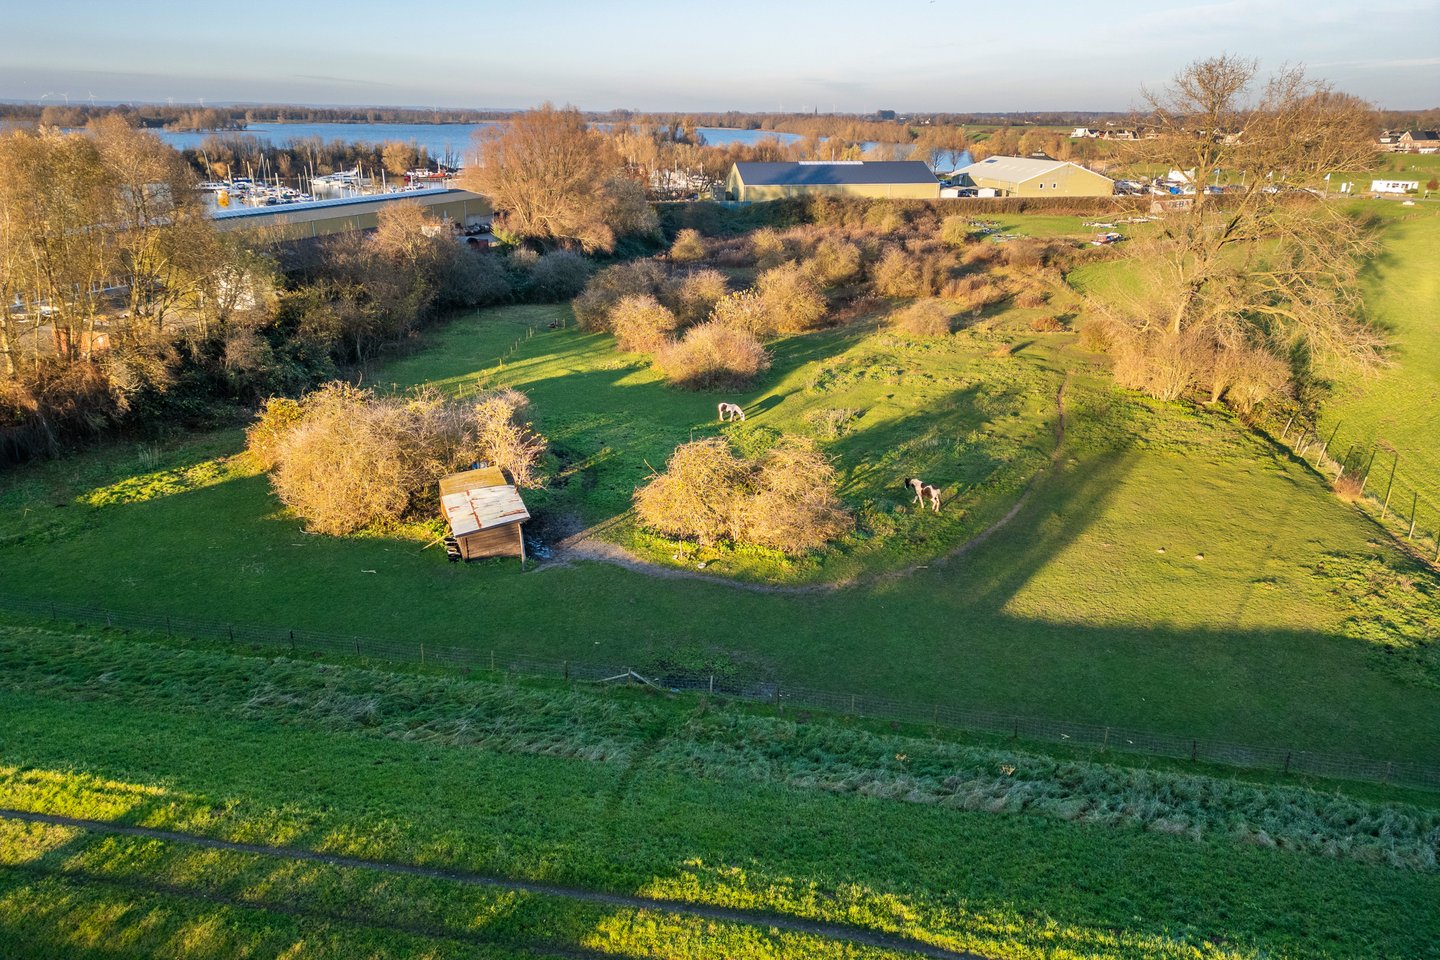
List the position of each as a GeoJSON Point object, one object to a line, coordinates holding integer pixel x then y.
{"type": "Point", "coordinates": [439, 139]}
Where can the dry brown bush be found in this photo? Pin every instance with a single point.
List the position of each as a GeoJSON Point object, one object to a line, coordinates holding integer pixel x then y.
{"type": "Point", "coordinates": [974, 293]}
{"type": "Point", "coordinates": [743, 310]}
{"type": "Point", "coordinates": [767, 249]}
{"type": "Point", "coordinates": [955, 230]}
{"type": "Point", "coordinates": [925, 318]}
{"type": "Point", "coordinates": [713, 354]}
{"type": "Point", "coordinates": [980, 253]}
{"type": "Point", "coordinates": [504, 437]}
{"type": "Point", "coordinates": [1032, 296]}
{"type": "Point", "coordinates": [902, 274]}
{"type": "Point", "coordinates": [794, 506]}
{"type": "Point", "coordinates": [698, 293]}
{"type": "Point", "coordinates": [351, 458]}
{"type": "Point", "coordinates": [835, 261]}
{"type": "Point", "coordinates": [1347, 485]}
{"type": "Point", "coordinates": [791, 300]}
{"type": "Point", "coordinates": [277, 418]}
{"type": "Point", "coordinates": [688, 246]}
{"type": "Point", "coordinates": [608, 287]}
{"type": "Point", "coordinates": [697, 494]}
{"type": "Point", "coordinates": [1248, 377]}
{"type": "Point", "coordinates": [1047, 324]}
{"type": "Point", "coordinates": [642, 324]}
{"type": "Point", "coordinates": [785, 499]}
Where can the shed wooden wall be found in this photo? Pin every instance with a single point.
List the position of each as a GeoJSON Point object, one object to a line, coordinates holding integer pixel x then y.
{"type": "Point", "coordinates": [501, 541]}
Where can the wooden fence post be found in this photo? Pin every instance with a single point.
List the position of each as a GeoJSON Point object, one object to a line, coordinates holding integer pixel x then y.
{"type": "Point", "coordinates": [1320, 458]}
{"type": "Point", "coordinates": [1194, 749]}
{"type": "Point", "coordinates": [1414, 505]}
{"type": "Point", "coordinates": [1366, 479]}
{"type": "Point", "coordinates": [1390, 486]}
{"type": "Point", "coordinates": [1286, 431]}
{"type": "Point", "coordinates": [1287, 761]}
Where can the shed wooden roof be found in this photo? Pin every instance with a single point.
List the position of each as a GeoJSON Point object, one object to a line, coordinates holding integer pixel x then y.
{"type": "Point", "coordinates": [480, 499]}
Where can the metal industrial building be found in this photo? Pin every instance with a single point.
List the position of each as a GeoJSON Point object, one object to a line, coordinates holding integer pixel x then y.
{"type": "Point", "coordinates": [1033, 177]}
{"type": "Point", "coordinates": [893, 179]}
{"type": "Point", "coordinates": [297, 221]}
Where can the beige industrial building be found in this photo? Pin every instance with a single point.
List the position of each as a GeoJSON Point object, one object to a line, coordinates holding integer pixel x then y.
{"type": "Point", "coordinates": [890, 179]}
{"type": "Point", "coordinates": [298, 221]}
{"type": "Point", "coordinates": [1032, 177]}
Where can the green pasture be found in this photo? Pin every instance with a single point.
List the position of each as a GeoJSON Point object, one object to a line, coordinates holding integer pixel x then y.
{"type": "Point", "coordinates": [1023, 856]}
{"type": "Point", "coordinates": [1393, 411]}
{"type": "Point", "coordinates": [1172, 573]}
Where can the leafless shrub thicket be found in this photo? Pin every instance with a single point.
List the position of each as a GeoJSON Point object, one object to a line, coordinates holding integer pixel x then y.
{"type": "Point", "coordinates": [713, 354]}
{"type": "Point", "coordinates": [344, 458]}
{"type": "Point", "coordinates": [783, 499]}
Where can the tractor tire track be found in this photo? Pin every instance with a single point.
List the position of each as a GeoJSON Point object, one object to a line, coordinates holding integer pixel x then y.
{"type": "Point", "coordinates": [753, 918]}
{"type": "Point", "coordinates": [585, 545]}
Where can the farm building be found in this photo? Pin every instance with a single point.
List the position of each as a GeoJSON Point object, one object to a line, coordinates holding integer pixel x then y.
{"type": "Point", "coordinates": [891, 179]}
{"type": "Point", "coordinates": [1028, 177]}
{"type": "Point", "coordinates": [485, 513]}
{"type": "Point", "coordinates": [1394, 186]}
{"type": "Point", "coordinates": [296, 221]}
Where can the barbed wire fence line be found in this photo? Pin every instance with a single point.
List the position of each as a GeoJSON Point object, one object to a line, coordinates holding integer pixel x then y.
{"type": "Point", "coordinates": [794, 697]}
{"type": "Point", "coordinates": [1371, 473]}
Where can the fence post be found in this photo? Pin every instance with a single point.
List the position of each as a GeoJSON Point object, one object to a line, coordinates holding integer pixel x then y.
{"type": "Point", "coordinates": [230, 627]}
{"type": "Point", "coordinates": [1194, 749]}
{"type": "Point", "coordinates": [1286, 431]}
{"type": "Point", "coordinates": [168, 633]}
{"type": "Point", "coordinates": [1389, 772]}
{"type": "Point", "coordinates": [1390, 486]}
{"type": "Point", "coordinates": [1014, 728]}
{"type": "Point", "coordinates": [567, 669]}
{"type": "Point", "coordinates": [1326, 446]}
{"type": "Point", "coordinates": [712, 683]}
{"type": "Point", "coordinates": [1287, 761]}
{"type": "Point", "coordinates": [53, 615]}
{"type": "Point", "coordinates": [492, 661]}
{"type": "Point", "coordinates": [1105, 742]}
{"type": "Point", "coordinates": [422, 653]}
{"type": "Point", "coordinates": [1414, 505]}
{"type": "Point", "coordinates": [1366, 479]}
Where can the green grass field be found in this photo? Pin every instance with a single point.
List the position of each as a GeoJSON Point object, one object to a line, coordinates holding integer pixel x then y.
{"type": "Point", "coordinates": [1023, 855]}
{"type": "Point", "coordinates": [1393, 410]}
{"type": "Point", "coordinates": [1168, 570]}
{"type": "Point", "coordinates": [1173, 573]}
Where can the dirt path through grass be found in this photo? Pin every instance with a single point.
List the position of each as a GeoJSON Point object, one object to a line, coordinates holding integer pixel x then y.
{"type": "Point", "coordinates": [587, 545]}
{"type": "Point", "coordinates": [830, 931]}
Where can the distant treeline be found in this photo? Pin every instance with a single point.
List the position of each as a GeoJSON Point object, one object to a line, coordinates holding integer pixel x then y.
{"type": "Point", "coordinates": [237, 154]}
{"type": "Point", "coordinates": [200, 117]}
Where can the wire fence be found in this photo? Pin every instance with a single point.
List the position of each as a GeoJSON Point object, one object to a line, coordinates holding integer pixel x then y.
{"type": "Point", "coordinates": [1373, 474]}
{"type": "Point", "coordinates": [295, 642]}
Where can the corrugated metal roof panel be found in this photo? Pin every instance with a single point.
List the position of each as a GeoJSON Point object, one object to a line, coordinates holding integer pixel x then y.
{"type": "Point", "coordinates": [481, 508]}
{"type": "Point", "coordinates": [834, 174]}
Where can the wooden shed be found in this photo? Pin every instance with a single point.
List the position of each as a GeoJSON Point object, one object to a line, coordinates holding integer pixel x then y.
{"type": "Point", "coordinates": [485, 513]}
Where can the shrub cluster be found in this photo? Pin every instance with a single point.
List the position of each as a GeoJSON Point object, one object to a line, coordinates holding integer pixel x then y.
{"type": "Point", "coordinates": [713, 354]}
{"type": "Point", "coordinates": [344, 459]}
{"type": "Point", "coordinates": [925, 318]}
{"type": "Point", "coordinates": [783, 499]}
{"type": "Point", "coordinates": [1168, 366]}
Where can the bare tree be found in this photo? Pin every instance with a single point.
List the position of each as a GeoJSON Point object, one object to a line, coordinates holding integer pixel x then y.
{"type": "Point", "coordinates": [557, 181]}
{"type": "Point", "coordinates": [1261, 260]}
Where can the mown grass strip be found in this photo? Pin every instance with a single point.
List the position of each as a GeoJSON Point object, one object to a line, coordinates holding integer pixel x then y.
{"type": "Point", "coordinates": [831, 931]}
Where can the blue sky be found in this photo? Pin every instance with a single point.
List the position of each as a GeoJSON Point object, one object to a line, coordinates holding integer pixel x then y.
{"type": "Point", "coordinates": [652, 55]}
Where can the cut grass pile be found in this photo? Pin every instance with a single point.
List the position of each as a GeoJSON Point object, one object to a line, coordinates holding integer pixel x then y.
{"type": "Point", "coordinates": [640, 795]}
